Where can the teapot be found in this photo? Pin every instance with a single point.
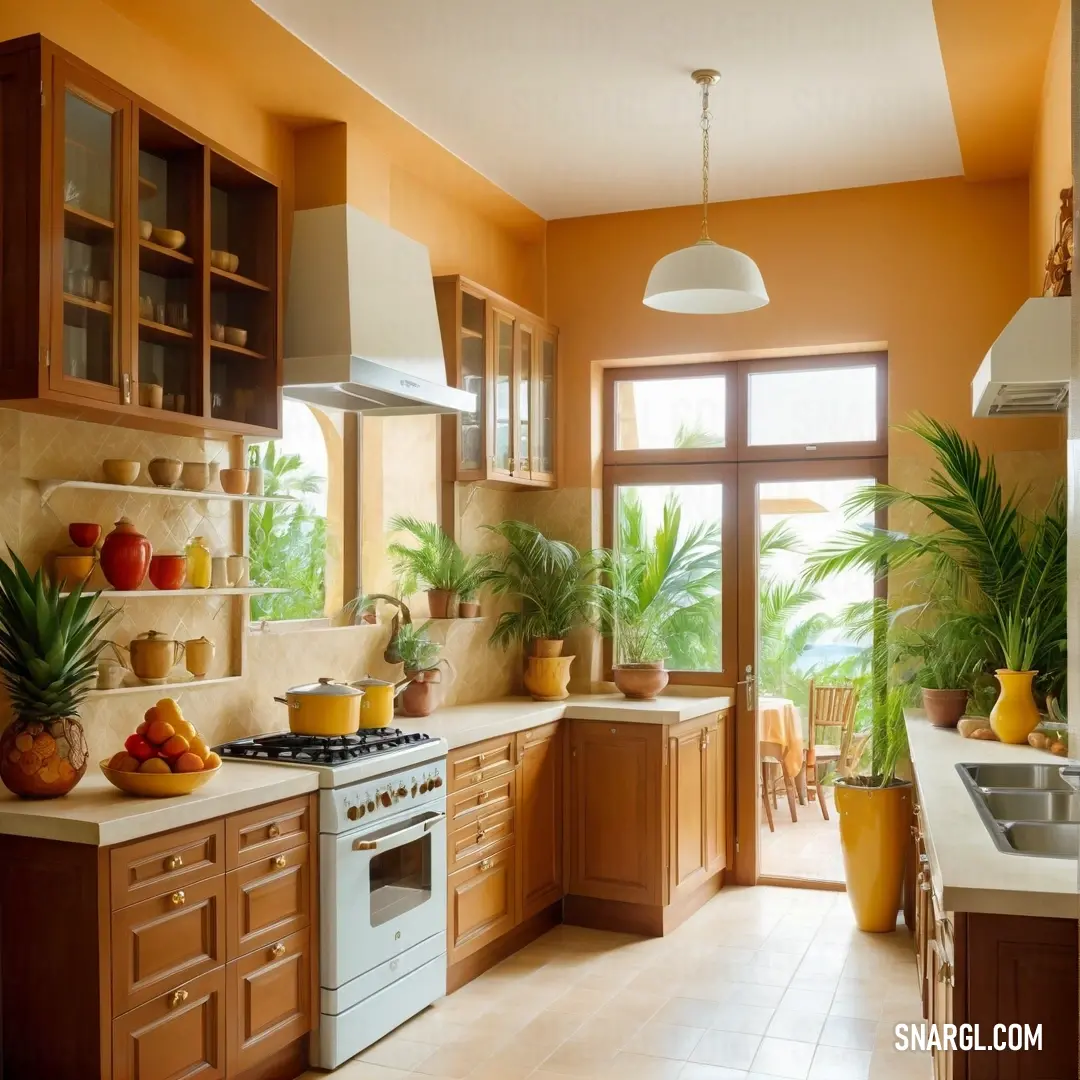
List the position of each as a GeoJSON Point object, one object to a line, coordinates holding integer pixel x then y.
{"type": "Point", "coordinates": [152, 655]}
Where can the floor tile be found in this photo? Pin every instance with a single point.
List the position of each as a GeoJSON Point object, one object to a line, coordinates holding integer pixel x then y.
{"type": "Point", "coordinates": [806, 1001]}
{"type": "Point", "coordinates": [665, 1040]}
{"type": "Point", "coordinates": [690, 1012]}
{"type": "Point", "coordinates": [800, 1026]}
{"type": "Point", "coordinates": [580, 1058]}
{"type": "Point", "coordinates": [627, 1066]}
{"type": "Point", "coordinates": [397, 1053]}
{"type": "Point", "coordinates": [731, 1049]}
{"type": "Point", "coordinates": [784, 1057]}
{"type": "Point", "coordinates": [839, 1063]}
{"type": "Point", "coordinates": [751, 1019]}
{"type": "Point", "coordinates": [850, 1032]}
{"type": "Point", "coordinates": [695, 1070]}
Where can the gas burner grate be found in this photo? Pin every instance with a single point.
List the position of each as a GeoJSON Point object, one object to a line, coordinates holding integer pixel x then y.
{"type": "Point", "coordinates": [320, 749]}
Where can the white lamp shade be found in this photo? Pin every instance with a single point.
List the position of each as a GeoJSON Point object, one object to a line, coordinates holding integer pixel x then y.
{"type": "Point", "coordinates": [705, 279]}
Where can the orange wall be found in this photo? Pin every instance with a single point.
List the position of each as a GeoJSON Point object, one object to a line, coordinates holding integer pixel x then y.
{"type": "Point", "coordinates": [932, 269]}
{"type": "Point", "coordinates": [1051, 155]}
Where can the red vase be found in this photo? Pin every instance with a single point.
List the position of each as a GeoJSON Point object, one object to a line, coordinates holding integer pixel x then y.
{"type": "Point", "coordinates": [125, 556]}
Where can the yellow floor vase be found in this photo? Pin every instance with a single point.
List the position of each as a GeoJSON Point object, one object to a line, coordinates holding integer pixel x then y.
{"type": "Point", "coordinates": [1014, 715]}
{"type": "Point", "coordinates": [874, 831]}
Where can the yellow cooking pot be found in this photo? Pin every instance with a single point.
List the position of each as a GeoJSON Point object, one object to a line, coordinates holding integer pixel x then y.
{"type": "Point", "coordinates": [377, 705]}
{"type": "Point", "coordinates": [325, 707]}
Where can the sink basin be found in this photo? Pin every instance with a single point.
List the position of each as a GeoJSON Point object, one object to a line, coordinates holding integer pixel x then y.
{"type": "Point", "coordinates": [1029, 838]}
{"type": "Point", "coordinates": [1030, 805]}
{"type": "Point", "coordinates": [1019, 775]}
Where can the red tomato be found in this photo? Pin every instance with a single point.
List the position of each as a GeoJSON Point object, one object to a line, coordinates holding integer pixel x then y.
{"type": "Point", "coordinates": [139, 748]}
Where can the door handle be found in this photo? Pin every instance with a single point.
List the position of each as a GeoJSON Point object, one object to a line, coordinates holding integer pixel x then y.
{"type": "Point", "coordinates": [749, 684]}
{"type": "Point", "coordinates": [420, 827]}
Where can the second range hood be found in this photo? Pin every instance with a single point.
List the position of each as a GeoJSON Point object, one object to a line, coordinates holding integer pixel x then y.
{"type": "Point", "coordinates": [361, 329]}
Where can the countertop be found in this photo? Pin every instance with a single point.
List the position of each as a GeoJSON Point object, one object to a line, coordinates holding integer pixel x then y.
{"type": "Point", "coordinates": [96, 813]}
{"type": "Point", "coordinates": [969, 872]}
{"type": "Point", "coordinates": [461, 725]}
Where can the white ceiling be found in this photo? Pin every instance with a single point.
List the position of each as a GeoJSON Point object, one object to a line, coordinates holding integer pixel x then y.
{"type": "Point", "coordinates": [586, 106]}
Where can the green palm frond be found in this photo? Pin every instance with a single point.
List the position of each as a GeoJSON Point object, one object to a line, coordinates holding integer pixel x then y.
{"type": "Point", "coordinates": [436, 562]}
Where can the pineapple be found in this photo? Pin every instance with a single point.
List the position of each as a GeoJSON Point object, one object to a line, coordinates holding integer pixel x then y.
{"type": "Point", "coordinates": [49, 647]}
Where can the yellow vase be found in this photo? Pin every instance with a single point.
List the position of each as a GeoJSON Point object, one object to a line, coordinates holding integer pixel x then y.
{"type": "Point", "coordinates": [547, 677]}
{"type": "Point", "coordinates": [199, 564]}
{"type": "Point", "coordinates": [874, 825]}
{"type": "Point", "coordinates": [1014, 715]}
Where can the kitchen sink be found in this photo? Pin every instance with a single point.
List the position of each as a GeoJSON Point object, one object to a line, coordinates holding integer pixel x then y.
{"type": "Point", "coordinates": [1028, 809]}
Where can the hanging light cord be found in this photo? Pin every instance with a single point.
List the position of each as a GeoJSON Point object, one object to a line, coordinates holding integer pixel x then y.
{"type": "Point", "coordinates": [705, 120]}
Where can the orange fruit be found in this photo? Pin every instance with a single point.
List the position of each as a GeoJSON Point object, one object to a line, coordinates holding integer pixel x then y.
{"type": "Point", "coordinates": [127, 763]}
{"type": "Point", "coordinates": [198, 746]}
{"type": "Point", "coordinates": [211, 761]}
{"type": "Point", "coordinates": [117, 759]}
{"type": "Point", "coordinates": [160, 732]}
{"type": "Point", "coordinates": [141, 729]}
{"type": "Point", "coordinates": [155, 765]}
{"type": "Point", "coordinates": [152, 714]}
{"type": "Point", "coordinates": [175, 746]}
{"type": "Point", "coordinates": [168, 709]}
{"type": "Point", "coordinates": [185, 728]}
{"type": "Point", "coordinates": [188, 762]}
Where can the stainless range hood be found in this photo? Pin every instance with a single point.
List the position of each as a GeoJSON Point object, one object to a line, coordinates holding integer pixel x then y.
{"type": "Point", "coordinates": [361, 329]}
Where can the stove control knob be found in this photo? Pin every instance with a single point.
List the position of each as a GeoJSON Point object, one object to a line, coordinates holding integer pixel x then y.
{"type": "Point", "coordinates": [423, 788]}
{"type": "Point", "coordinates": [354, 812]}
{"type": "Point", "coordinates": [402, 791]}
{"type": "Point", "coordinates": [371, 806]}
{"type": "Point", "coordinates": [437, 782]}
{"type": "Point", "coordinates": [414, 790]}
{"type": "Point", "coordinates": [385, 798]}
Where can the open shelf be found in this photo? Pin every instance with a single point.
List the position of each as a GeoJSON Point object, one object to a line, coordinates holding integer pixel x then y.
{"type": "Point", "coordinates": [222, 279]}
{"type": "Point", "coordinates": [83, 226]}
{"type": "Point", "coordinates": [89, 305]}
{"type": "Point", "coordinates": [162, 334]}
{"type": "Point", "coordinates": [163, 261]}
{"type": "Point", "coordinates": [151, 593]}
{"type": "Point", "coordinates": [179, 684]}
{"type": "Point", "coordinates": [224, 346]}
{"type": "Point", "coordinates": [49, 486]}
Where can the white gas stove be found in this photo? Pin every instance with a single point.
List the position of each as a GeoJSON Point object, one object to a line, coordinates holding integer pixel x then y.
{"type": "Point", "coordinates": [382, 877]}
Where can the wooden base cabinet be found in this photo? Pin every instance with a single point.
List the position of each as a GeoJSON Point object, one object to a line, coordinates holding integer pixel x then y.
{"type": "Point", "coordinates": [186, 954]}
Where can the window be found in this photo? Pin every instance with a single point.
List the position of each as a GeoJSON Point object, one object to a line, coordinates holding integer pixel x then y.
{"type": "Point", "coordinates": [670, 414]}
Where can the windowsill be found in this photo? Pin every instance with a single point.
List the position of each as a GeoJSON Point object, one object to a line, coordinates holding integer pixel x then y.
{"type": "Point", "coordinates": [295, 626]}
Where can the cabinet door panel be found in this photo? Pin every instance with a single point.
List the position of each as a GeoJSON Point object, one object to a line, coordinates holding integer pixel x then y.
{"type": "Point", "coordinates": [481, 904]}
{"type": "Point", "coordinates": [540, 817]}
{"type": "Point", "coordinates": [502, 440]}
{"type": "Point", "coordinates": [268, 900]}
{"type": "Point", "coordinates": [688, 809]}
{"type": "Point", "coordinates": [543, 411]}
{"type": "Point", "coordinates": [715, 795]}
{"type": "Point", "coordinates": [177, 1034]}
{"type": "Point", "coordinates": [524, 368]}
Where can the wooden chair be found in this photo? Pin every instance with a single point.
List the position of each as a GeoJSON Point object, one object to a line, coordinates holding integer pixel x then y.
{"type": "Point", "coordinates": [831, 707]}
{"type": "Point", "coordinates": [772, 755]}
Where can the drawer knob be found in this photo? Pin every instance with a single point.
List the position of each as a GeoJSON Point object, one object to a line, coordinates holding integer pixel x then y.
{"type": "Point", "coordinates": [177, 997]}
{"type": "Point", "coordinates": [483, 796]}
{"type": "Point", "coordinates": [278, 950]}
{"type": "Point", "coordinates": [274, 830]}
{"type": "Point", "coordinates": [485, 864]}
{"type": "Point", "coordinates": [174, 862]}
{"type": "Point", "coordinates": [479, 835]}
{"type": "Point", "coordinates": [178, 898]}
{"type": "Point", "coordinates": [280, 862]}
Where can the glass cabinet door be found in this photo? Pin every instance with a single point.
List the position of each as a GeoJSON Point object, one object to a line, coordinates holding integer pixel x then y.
{"type": "Point", "coordinates": [91, 156]}
{"type": "Point", "coordinates": [474, 381]}
{"type": "Point", "coordinates": [503, 444]}
{"type": "Point", "coordinates": [543, 422]}
{"type": "Point", "coordinates": [523, 373]}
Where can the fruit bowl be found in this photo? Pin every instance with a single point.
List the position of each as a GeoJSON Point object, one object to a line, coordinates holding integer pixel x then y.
{"type": "Point", "coordinates": [157, 785]}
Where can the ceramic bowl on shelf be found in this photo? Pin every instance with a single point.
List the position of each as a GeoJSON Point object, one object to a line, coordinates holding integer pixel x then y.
{"type": "Point", "coordinates": [84, 534]}
{"type": "Point", "coordinates": [168, 571]}
{"type": "Point", "coordinates": [120, 471]}
{"type": "Point", "coordinates": [234, 481]}
{"type": "Point", "coordinates": [234, 262]}
{"type": "Point", "coordinates": [217, 331]}
{"type": "Point", "coordinates": [235, 336]}
{"type": "Point", "coordinates": [151, 395]}
{"type": "Point", "coordinates": [146, 229]}
{"type": "Point", "coordinates": [70, 570]}
{"type": "Point", "coordinates": [195, 475]}
{"type": "Point", "coordinates": [157, 785]}
{"type": "Point", "coordinates": [164, 471]}
{"type": "Point", "coordinates": [224, 260]}
{"type": "Point", "coordinates": [173, 239]}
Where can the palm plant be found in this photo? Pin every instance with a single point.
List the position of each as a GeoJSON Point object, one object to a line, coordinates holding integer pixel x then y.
{"type": "Point", "coordinates": [636, 628]}
{"type": "Point", "coordinates": [436, 563]}
{"type": "Point", "coordinates": [416, 650]}
{"type": "Point", "coordinates": [550, 578]}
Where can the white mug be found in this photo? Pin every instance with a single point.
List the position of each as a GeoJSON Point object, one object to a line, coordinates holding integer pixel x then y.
{"type": "Point", "coordinates": [110, 674]}
{"type": "Point", "coordinates": [219, 572]}
{"type": "Point", "coordinates": [238, 570]}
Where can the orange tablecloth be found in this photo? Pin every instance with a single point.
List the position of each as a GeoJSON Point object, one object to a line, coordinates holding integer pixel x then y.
{"type": "Point", "coordinates": [779, 722]}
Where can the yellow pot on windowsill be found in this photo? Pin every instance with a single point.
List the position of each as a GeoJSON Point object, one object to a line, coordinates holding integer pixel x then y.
{"type": "Point", "coordinates": [1015, 715]}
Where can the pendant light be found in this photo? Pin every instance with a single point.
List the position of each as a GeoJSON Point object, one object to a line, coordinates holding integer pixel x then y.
{"type": "Point", "coordinates": [705, 279]}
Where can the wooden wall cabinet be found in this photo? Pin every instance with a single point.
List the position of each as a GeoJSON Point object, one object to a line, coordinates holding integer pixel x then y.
{"type": "Point", "coordinates": [507, 357]}
{"type": "Point", "coordinates": [98, 320]}
{"type": "Point", "coordinates": [159, 978]}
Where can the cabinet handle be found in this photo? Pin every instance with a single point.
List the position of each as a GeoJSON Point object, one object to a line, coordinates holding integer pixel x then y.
{"type": "Point", "coordinates": [174, 862]}
{"type": "Point", "coordinates": [280, 862]}
{"type": "Point", "coordinates": [510, 464]}
{"type": "Point", "coordinates": [178, 997]}
{"type": "Point", "coordinates": [945, 972]}
{"type": "Point", "coordinates": [480, 834]}
{"type": "Point", "coordinates": [178, 898]}
{"type": "Point", "coordinates": [483, 796]}
{"type": "Point", "coordinates": [925, 885]}
{"type": "Point", "coordinates": [127, 388]}
{"type": "Point", "coordinates": [485, 864]}
{"type": "Point", "coordinates": [274, 830]}
{"type": "Point", "coordinates": [278, 950]}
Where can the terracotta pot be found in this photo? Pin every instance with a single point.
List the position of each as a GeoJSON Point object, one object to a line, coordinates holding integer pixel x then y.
{"type": "Point", "coordinates": [168, 571]}
{"type": "Point", "coordinates": [41, 760]}
{"type": "Point", "coordinates": [547, 677]}
{"type": "Point", "coordinates": [125, 556]}
{"type": "Point", "coordinates": [1015, 715]}
{"type": "Point", "coordinates": [640, 682]}
{"type": "Point", "coordinates": [547, 646]}
{"type": "Point", "coordinates": [874, 824]}
{"type": "Point", "coordinates": [420, 697]}
{"type": "Point", "coordinates": [944, 708]}
{"type": "Point", "coordinates": [165, 471]}
{"type": "Point", "coordinates": [468, 609]}
{"type": "Point", "coordinates": [234, 481]}
{"type": "Point", "coordinates": [438, 602]}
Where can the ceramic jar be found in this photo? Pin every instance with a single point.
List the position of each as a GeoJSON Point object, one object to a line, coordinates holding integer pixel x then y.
{"type": "Point", "coordinates": [41, 760]}
{"type": "Point", "coordinates": [198, 655]}
{"type": "Point", "coordinates": [125, 556]}
{"type": "Point", "coordinates": [199, 564]}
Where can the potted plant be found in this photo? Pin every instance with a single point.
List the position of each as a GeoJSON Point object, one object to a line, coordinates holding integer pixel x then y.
{"type": "Point", "coordinates": [49, 649]}
{"type": "Point", "coordinates": [552, 581]}
{"type": "Point", "coordinates": [420, 657]}
{"type": "Point", "coordinates": [1015, 715]}
{"type": "Point", "coordinates": [437, 564]}
{"type": "Point", "coordinates": [468, 584]}
{"type": "Point", "coordinates": [949, 661]}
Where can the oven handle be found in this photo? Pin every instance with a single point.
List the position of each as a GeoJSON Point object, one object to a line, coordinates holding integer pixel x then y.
{"type": "Point", "coordinates": [412, 830]}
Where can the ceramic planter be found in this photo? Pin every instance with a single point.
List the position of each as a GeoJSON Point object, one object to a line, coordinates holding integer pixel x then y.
{"type": "Point", "coordinates": [547, 677]}
{"type": "Point", "coordinates": [438, 601]}
{"type": "Point", "coordinates": [42, 760]}
{"type": "Point", "coordinates": [125, 556]}
{"type": "Point", "coordinates": [1014, 715]}
{"type": "Point", "coordinates": [547, 647]}
{"type": "Point", "coordinates": [468, 609]}
{"type": "Point", "coordinates": [168, 571]}
{"type": "Point", "coordinates": [944, 708]}
{"type": "Point", "coordinates": [420, 697]}
{"type": "Point", "coordinates": [640, 682]}
{"type": "Point", "coordinates": [874, 836]}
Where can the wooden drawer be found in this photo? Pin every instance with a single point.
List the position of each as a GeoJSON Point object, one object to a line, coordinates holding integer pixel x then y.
{"type": "Point", "coordinates": [179, 1033]}
{"type": "Point", "coordinates": [481, 903]}
{"type": "Point", "coordinates": [484, 799]}
{"type": "Point", "coordinates": [165, 863]}
{"type": "Point", "coordinates": [265, 831]}
{"type": "Point", "coordinates": [536, 735]}
{"type": "Point", "coordinates": [268, 900]}
{"type": "Point", "coordinates": [166, 940]}
{"type": "Point", "coordinates": [485, 834]}
{"type": "Point", "coordinates": [473, 764]}
{"type": "Point", "coordinates": [269, 1001]}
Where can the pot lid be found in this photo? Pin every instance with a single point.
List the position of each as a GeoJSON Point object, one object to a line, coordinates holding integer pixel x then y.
{"type": "Point", "coordinates": [199, 641]}
{"type": "Point", "coordinates": [152, 635]}
{"type": "Point", "coordinates": [370, 680]}
{"type": "Point", "coordinates": [326, 688]}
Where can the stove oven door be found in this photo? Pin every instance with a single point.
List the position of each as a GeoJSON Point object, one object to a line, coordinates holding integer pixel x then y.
{"type": "Point", "coordinates": [383, 891]}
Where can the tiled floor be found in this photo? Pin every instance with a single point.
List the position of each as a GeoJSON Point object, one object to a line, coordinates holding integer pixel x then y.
{"type": "Point", "coordinates": [807, 848]}
{"type": "Point", "coordinates": [760, 983]}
